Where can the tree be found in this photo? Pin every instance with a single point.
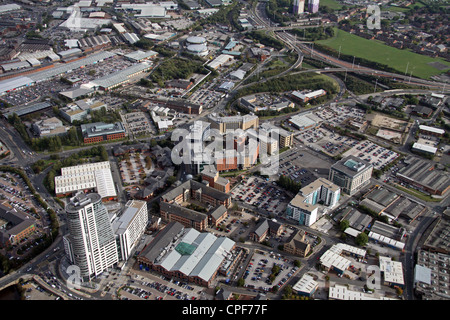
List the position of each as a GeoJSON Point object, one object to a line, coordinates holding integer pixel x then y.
{"type": "Point", "coordinates": [362, 239]}
{"type": "Point", "coordinates": [344, 225]}
{"type": "Point", "coordinates": [240, 282]}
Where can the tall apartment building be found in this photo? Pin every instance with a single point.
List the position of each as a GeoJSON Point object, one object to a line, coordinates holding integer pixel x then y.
{"type": "Point", "coordinates": [298, 7]}
{"type": "Point", "coordinates": [351, 174]}
{"type": "Point", "coordinates": [304, 207]}
{"type": "Point", "coordinates": [130, 227]}
{"type": "Point", "coordinates": [90, 244]}
{"type": "Point", "coordinates": [313, 6]}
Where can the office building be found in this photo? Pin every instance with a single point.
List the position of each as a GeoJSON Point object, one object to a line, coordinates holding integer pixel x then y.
{"type": "Point", "coordinates": [79, 110]}
{"type": "Point", "coordinates": [130, 227]}
{"type": "Point", "coordinates": [209, 206]}
{"type": "Point", "coordinates": [15, 226]}
{"type": "Point", "coordinates": [297, 244]}
{"type": "Point", "coordinates": [211, 175]}
{"type": "Point", "coordinates": [90, 244]}
{"type": "Point", "coordinates": [351, 174]}
{"type": "Point", "coordinates": [99, 131]}
{"type": "Point", "coordinates": [49, 127]}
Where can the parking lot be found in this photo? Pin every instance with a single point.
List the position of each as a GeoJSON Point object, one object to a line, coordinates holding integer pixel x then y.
{"type": "Point", "coordinates": [14, 190]}
{"type": "Point", "coordinates": [336, 114]}
{"type": "Point", "coordinates": [330, 143]}
{"type": "Point", "coordinates": [52, 87]}
{"type": "Point", "coordinates": [260, 193]}
{"type": "Point", "coordinates": [157, 291]}
{"type": "Point", "coordinates": [133, 168]}
{"type": "Point", "coordinates": [261, 275]}
{"type": "Point", "coordinates": [138, 123]}
{"type": "Point", "coordinates": [378, 156]}
{"type": "Point", "coordinates": [207, 98]}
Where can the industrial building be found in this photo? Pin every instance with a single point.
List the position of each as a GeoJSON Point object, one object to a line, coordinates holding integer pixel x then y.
{"type": "Point", "coordinates": [139, 55]}
{"type": "Point", "coordinates": [119, 78]}
{"type": "Point", "coordinates": [424, 175]}
{"type": "Point", "coordinates": [304, 121]}
{"type": "Point", "coordinates": [305, 97]}
{"type": "Point", "coordinates": [432, 281]}
{"type": "Point", "coordinates": [189, 255]}
{"type": "Point", "coordinates": [28, 109]}
{"type": "Point", "coordinates": [431, 131]}
{"type": "Point", "coordinates": [391, 272]}
{"type": "Point", "coordinates": [87, 177]}
{"type": "Point", "coordinates": [334, 258]}
{"type": "Point", "coordinates": [306, 286]}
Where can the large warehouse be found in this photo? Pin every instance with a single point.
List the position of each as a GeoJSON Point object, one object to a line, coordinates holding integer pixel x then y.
{"type": "Point", "coordinates": [88, 177]}
{"type": "Point", "coordinates": [188, 254]}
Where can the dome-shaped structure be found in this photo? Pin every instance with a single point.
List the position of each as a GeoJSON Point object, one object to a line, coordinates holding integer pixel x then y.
{"type": "Point", "coordinates": [198, 49]}
{"type": "Point", "coordinates": [196, 40]}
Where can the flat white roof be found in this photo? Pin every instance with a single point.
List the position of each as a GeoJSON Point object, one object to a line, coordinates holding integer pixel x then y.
{"type": "Point", "coordinates": [422, 274]}
{"type": "Point", "coordinates": [393, 271]}
{"type": "Point", "coordinates": [13, 83]}
{"type": "Point", "coordinates": [425, 148]}
{"type": "Point", "coordinates": [306, 284]}
{"type": "Point", "coordinates": [431, 129]}
{"type": "Point", "coordinates": [340, 292]}
{"type": "Point", "coordinates": [331, 259]}
{"type": "Point", "coordinates": [386, 240]}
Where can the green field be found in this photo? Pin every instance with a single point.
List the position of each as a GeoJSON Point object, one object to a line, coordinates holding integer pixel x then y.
{"type": "Point", "coordinates": [332, 4]}
{"type": "Point", "coordinates": [379, 52]}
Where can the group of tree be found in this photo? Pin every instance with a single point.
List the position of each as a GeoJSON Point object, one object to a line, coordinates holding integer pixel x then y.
{"type": "Point", "coordinates": [289, 184]}
{"type": "Point", "coordinates": [277, 9]}
{"type": "Point", "coordinates": [291, 82]}
{"type": "Point", "coordinates": [93, 154]}
{"type": "Point", "coordinates": [266, 39]}
{"type": "Point", "coordinates": [176, 68]}
{"type": "Point", "coordinates": [267, 113]}
{"type": "Point", "coordinates": [313, 34]}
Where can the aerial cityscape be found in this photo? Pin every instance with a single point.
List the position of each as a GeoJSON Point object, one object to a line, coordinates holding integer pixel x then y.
{"type": "Point", "coordinates": [224, 150]}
